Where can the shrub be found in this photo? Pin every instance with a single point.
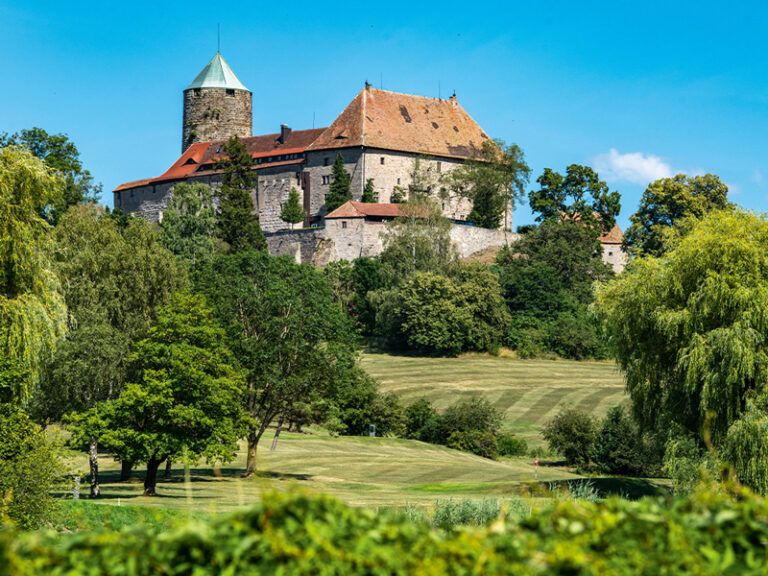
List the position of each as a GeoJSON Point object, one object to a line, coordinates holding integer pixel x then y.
{"type": "Point", "coordinates": [417, 416]}
{"type": "Point", "coordinates": [616, 441]}
{"type": "Point", "coordinates": [571, 433]}
{"type": "Point", "coordinates": [479, 442]}
{"type": "Point", "coordinates": [511, 445]}
{"type": "Point", "coordinates": [687, 465]}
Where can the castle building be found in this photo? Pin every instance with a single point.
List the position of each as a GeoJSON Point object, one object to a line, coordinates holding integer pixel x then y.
{"type": "Point", "coordinates": [379, 134]}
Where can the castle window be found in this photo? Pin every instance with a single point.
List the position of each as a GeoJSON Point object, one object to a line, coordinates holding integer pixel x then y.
{"type": "Point", "coordinates": [382, 161]}
{"type": "Point", "coordinates": [439, 166]}
{"type": "Point", "coordinates": [343, 224]}
{"type": "Point", "coordinates": [230, 92]}
{"type": "Point", "coordinates": [610, 253]}
{"type": "Point", "coordinates": [197, 91]}
{"type": "Point", "coordinates": [398, 181]}
{"type": "Point", "coordinates": [326, 179]}
{"type": "Point", "coordinates": [326, 161]}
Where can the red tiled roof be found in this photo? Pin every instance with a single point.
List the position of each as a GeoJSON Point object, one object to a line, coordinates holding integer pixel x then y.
{"type": "Point", "coordinates": [352, 209]}
{"type": "Point", "coordinates": [203, 153]}
{"type": "Point", "coordinates": [402, 122]}
{"type": "Point", "coordinates": [614, 236]}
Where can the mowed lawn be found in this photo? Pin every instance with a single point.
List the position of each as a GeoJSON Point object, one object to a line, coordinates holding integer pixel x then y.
{"type": "Point", "coordinates": [360, 471]}
{"type": "Point", "coordinates": [528, 392]}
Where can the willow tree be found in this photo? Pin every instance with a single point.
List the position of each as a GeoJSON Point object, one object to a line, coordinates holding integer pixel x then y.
{"type": "Point", "coordinates": [32, 309]}
{"type": "Point", "coordinates": [690, 328]}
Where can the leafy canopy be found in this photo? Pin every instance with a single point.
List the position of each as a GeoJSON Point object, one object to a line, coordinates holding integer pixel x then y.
{"type": "Point", "coordinates": [339, 191]}
{"type": "Point", "coordinates": [291, 211]}
{"type": "Point", "coordinates": [669, 203]}
{"type": "Point", "coordinates": [189, 223]}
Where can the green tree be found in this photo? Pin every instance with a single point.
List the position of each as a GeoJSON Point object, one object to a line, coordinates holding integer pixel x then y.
{"type": "Point", "coordinates": [669, 204]}
{"type": "Point", "coordinates": [32, 309]}
{"type": "Point", "coordinates": [369, 192]}
{"type": "Point", "coordinates": [291, 211]}
{"type": "Point", "coordinates": [493, 181]}
{"type": "Point", "coordinates": [29, 468]}
{"type": "Point", "coordinates": [472, 426]}
{"type": "Point", "coordinates": [285, 329]}
{"type": "Point", "coordinates": [571, 433]}
{"type": "Point", "coordinates": [237, 221]}
{"type": "Point", "coordinates": [184, 394]}
{"type": "Point", "coordinates": [579, 196]}
{"type": "Point", "coordinates": [189, 223]}
{"type": "Point", "coordinates": [58, 152]}
{"type": "Point", "coordinates": [746, 445]}
{"type": "Point", "coordinates": [615, 450]}
{"type": "Point", "coordinates": [688, 328]}
{"type": "Point", "coordinates": [339, 191]}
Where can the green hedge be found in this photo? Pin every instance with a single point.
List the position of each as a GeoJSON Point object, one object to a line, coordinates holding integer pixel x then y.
{"type": "Point", "coordinates": [292, 534]}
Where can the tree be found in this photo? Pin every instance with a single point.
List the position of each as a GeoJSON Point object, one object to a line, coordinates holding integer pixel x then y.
{"type": "Point", "coordinates": [418, 240]}
{"type": "Point", "coordinates": [292, 212]}
{"type": "Point", "coordinates": [615, 450]}
{"type": "Point", "coordinates": [472, 426]}
{"type": "Point", "coordinates": [184, 393]}
{"type": "Point", "coordinates": [116, 279]}
{"type": "Point", "coordinates": [339, 191]}
{"type": "Point", "coordinates": [189, 223]}
{"type": "Point", "coordinates": [32, 309]}
{"type": "Point", "coordinates": [688, 328]}
{"type": "Point", "coordinates": [237, 222]}
{"type": "Point", "coordinates": [668, 204]}
{"type": "Point", "coordinates": [369, 192]}
{"type": "Point", "coordinates": [494, 181]}
{"type": "Point", "coordinates": [571, 433]}
{"type": "Point", "coordinates": [285, 329]}
{"type": "Point", "coordinates": [58, 152]}
{"type": "Point", "coordinates": [29, 468]}
{"type": "Point", "coordinates": [580, 196]}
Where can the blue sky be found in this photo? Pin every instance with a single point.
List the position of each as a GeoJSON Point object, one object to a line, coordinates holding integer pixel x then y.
{"type": "Point", "coordinates": [639, 90]}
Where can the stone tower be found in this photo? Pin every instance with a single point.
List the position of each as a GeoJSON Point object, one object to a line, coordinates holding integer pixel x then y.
{"type": "Point", "coordinates": [216, 106]}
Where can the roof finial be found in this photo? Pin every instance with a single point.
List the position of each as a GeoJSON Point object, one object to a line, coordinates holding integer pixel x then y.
{"type": "Point", "coordinates": [218, 38]}
{"type": "Point", "coordinates": [367, 85]}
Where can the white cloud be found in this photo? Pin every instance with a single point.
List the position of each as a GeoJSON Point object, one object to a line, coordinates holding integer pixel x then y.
{"type": "Point", "coordinates": [633, 167]}
{"type": "Point", "coordinates": [757, 177]}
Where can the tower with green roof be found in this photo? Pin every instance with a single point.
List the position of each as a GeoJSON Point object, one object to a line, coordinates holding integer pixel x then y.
{"type": "Point", "coordinates": [216, 106]}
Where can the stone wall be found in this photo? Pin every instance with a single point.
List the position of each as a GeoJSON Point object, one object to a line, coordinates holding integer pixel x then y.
{"type": "Point", "coordinates": [615, 256]}
{"type": "Point", "coordinates": [215, 114]}
{"type": "Point", "coordinates": [320, 167]}
{"type": "Point", "coordinates": [347, 239]}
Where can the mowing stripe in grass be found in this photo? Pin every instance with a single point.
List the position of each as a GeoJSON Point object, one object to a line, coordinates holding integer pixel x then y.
{"type": "Point", "coordinates": [544, 405]}
{"type": "Point", "coordinates": [593, 399]}
{"type": "Point", "coordinates": [509, 398]}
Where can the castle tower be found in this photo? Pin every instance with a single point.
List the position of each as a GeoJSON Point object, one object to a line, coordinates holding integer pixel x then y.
{"type": "Point", "coordinates": [216, 106]}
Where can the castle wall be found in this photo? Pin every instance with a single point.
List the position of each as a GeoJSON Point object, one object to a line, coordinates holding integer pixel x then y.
{"type": "Point", "coordinates": [215, 114]}
{"type": "Point", "coordinates": [320, 167]}
{"type": "Point", "coordinates": [614, 256]}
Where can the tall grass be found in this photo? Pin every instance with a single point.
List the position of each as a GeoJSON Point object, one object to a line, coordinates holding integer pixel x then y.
{"type": "Point", "coordinates": [448, 513]}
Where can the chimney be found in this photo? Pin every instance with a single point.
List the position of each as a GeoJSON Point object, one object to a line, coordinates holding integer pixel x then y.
{"type": "Point", "coordinates": [284, 131]}
{"type": "Point", "coordinates": [453, 99]}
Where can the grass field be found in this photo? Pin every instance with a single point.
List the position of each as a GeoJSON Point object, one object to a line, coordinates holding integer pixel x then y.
{"type": "Point", "coordinates": [528, 392]}
{"type": "Point", "coordinates": [393, 472]}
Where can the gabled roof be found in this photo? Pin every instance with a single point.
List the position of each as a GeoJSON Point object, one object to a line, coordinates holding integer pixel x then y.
{"type": "Point", "coordinates": [217, 74]}
{"type": "Point", "coordinates": [268, 149]}
{"type": "Point", "coordinates": [614, 236]}
{"type": "Point", "coordinates": [352, 209]}
{"type": "Point", "coordinates": [402, 122]}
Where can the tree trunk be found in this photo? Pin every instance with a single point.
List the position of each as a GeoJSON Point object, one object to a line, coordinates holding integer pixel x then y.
{"type": "Point", "coordinates": [168, 467]}
{"type": "Point", "coordinates": [150, 482]}
{"type": "Point", "coordinates": [277, 433]}
{"type": "Point", "coordinates": [93, 457]}
{"type": "Point", "coordinates": [250, 463]}
{"type": "Point", "coordinates": [126, 467]}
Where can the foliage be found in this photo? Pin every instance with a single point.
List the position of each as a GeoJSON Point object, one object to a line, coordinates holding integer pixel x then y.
{"type": "Point", "coordinates": [339, 191]}
{"type": "Point", "coordinates": [14, 380]}
{"type": "Point", "coordinates": [418, 241]}
{"type": "Point", "coordinates": [237, 222]}
{"type": "Point", "coordinates": [579, 196]}
{"type": "Point", "coordinates": [472, 425]}
{"type": "Point", "coordinates": [183, 397]}
{"type": "Point", "coordinates": [511, 445]}
{"type": "Point", "coordinates": [369, 192]}
{"type": "Point", "coordinates": [32, 308]}
{"type": "Point", "coordinates": [615, 450]}
{"type": "Point", "coordinates": [746, 446]}
{"type": "Point", "coordinates": [291, 211]}
{"type": "Point", "coordinates": [285, 329]}
{"type": "Point", "coordinates": [418, 415]}
{"type": "Point", "coordinates": [670, 204]}
{"type": "Point", "coordinates": [398, 195]}
{"type": "Point", "coordinates": [358, 404]}
{"type": "Point", "coordinates": [709, 534]}
{"type": "Point", "coordinates": [689, 328]}
{"type": "Point", "coordinates": [688, 465]}
{"type": "Point", "coordinates": [493, 182]}
{"type": "Point", "coordinates": [59, 153]}
{"type": "Point", "coordinates": [449, 513]}
{"type": "Point", "coordinates": [479, 442]}
{"type": "Point", "coordinates": [189, 223]}
{"type": "Point", "coordinates": [29, 467]}
{"type": "Point", "coordinates": [571, 433]}
{"type": "Point", "coordinates": [440, 315]}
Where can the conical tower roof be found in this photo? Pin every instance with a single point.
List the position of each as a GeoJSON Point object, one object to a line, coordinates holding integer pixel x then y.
{"type": "Point", "coordinates": [217, 74]}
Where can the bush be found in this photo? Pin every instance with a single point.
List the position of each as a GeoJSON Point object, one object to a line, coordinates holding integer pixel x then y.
{"type": "Point", "coordinates": [572, 434]}
{"type": "Point", "coordinates": [511, 445]}
{"type": "Point", "coordinates": [687, 465]}
{"type": "Point", "coordinates": [615, 449]}
{"type": "Point", "coordinates": [479, 442]}
{"type": "Point", "coordinates": [417, 416]}
{"type": "Point", "coordinates": [710, 534]}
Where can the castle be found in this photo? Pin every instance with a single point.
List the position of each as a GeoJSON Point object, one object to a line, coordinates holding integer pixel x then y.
{"type": "Point", "coordinates": [380, 135]}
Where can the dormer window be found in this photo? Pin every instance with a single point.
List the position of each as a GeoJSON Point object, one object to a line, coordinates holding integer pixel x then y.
{"type": "Point", "coordinates": [230, 92]}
